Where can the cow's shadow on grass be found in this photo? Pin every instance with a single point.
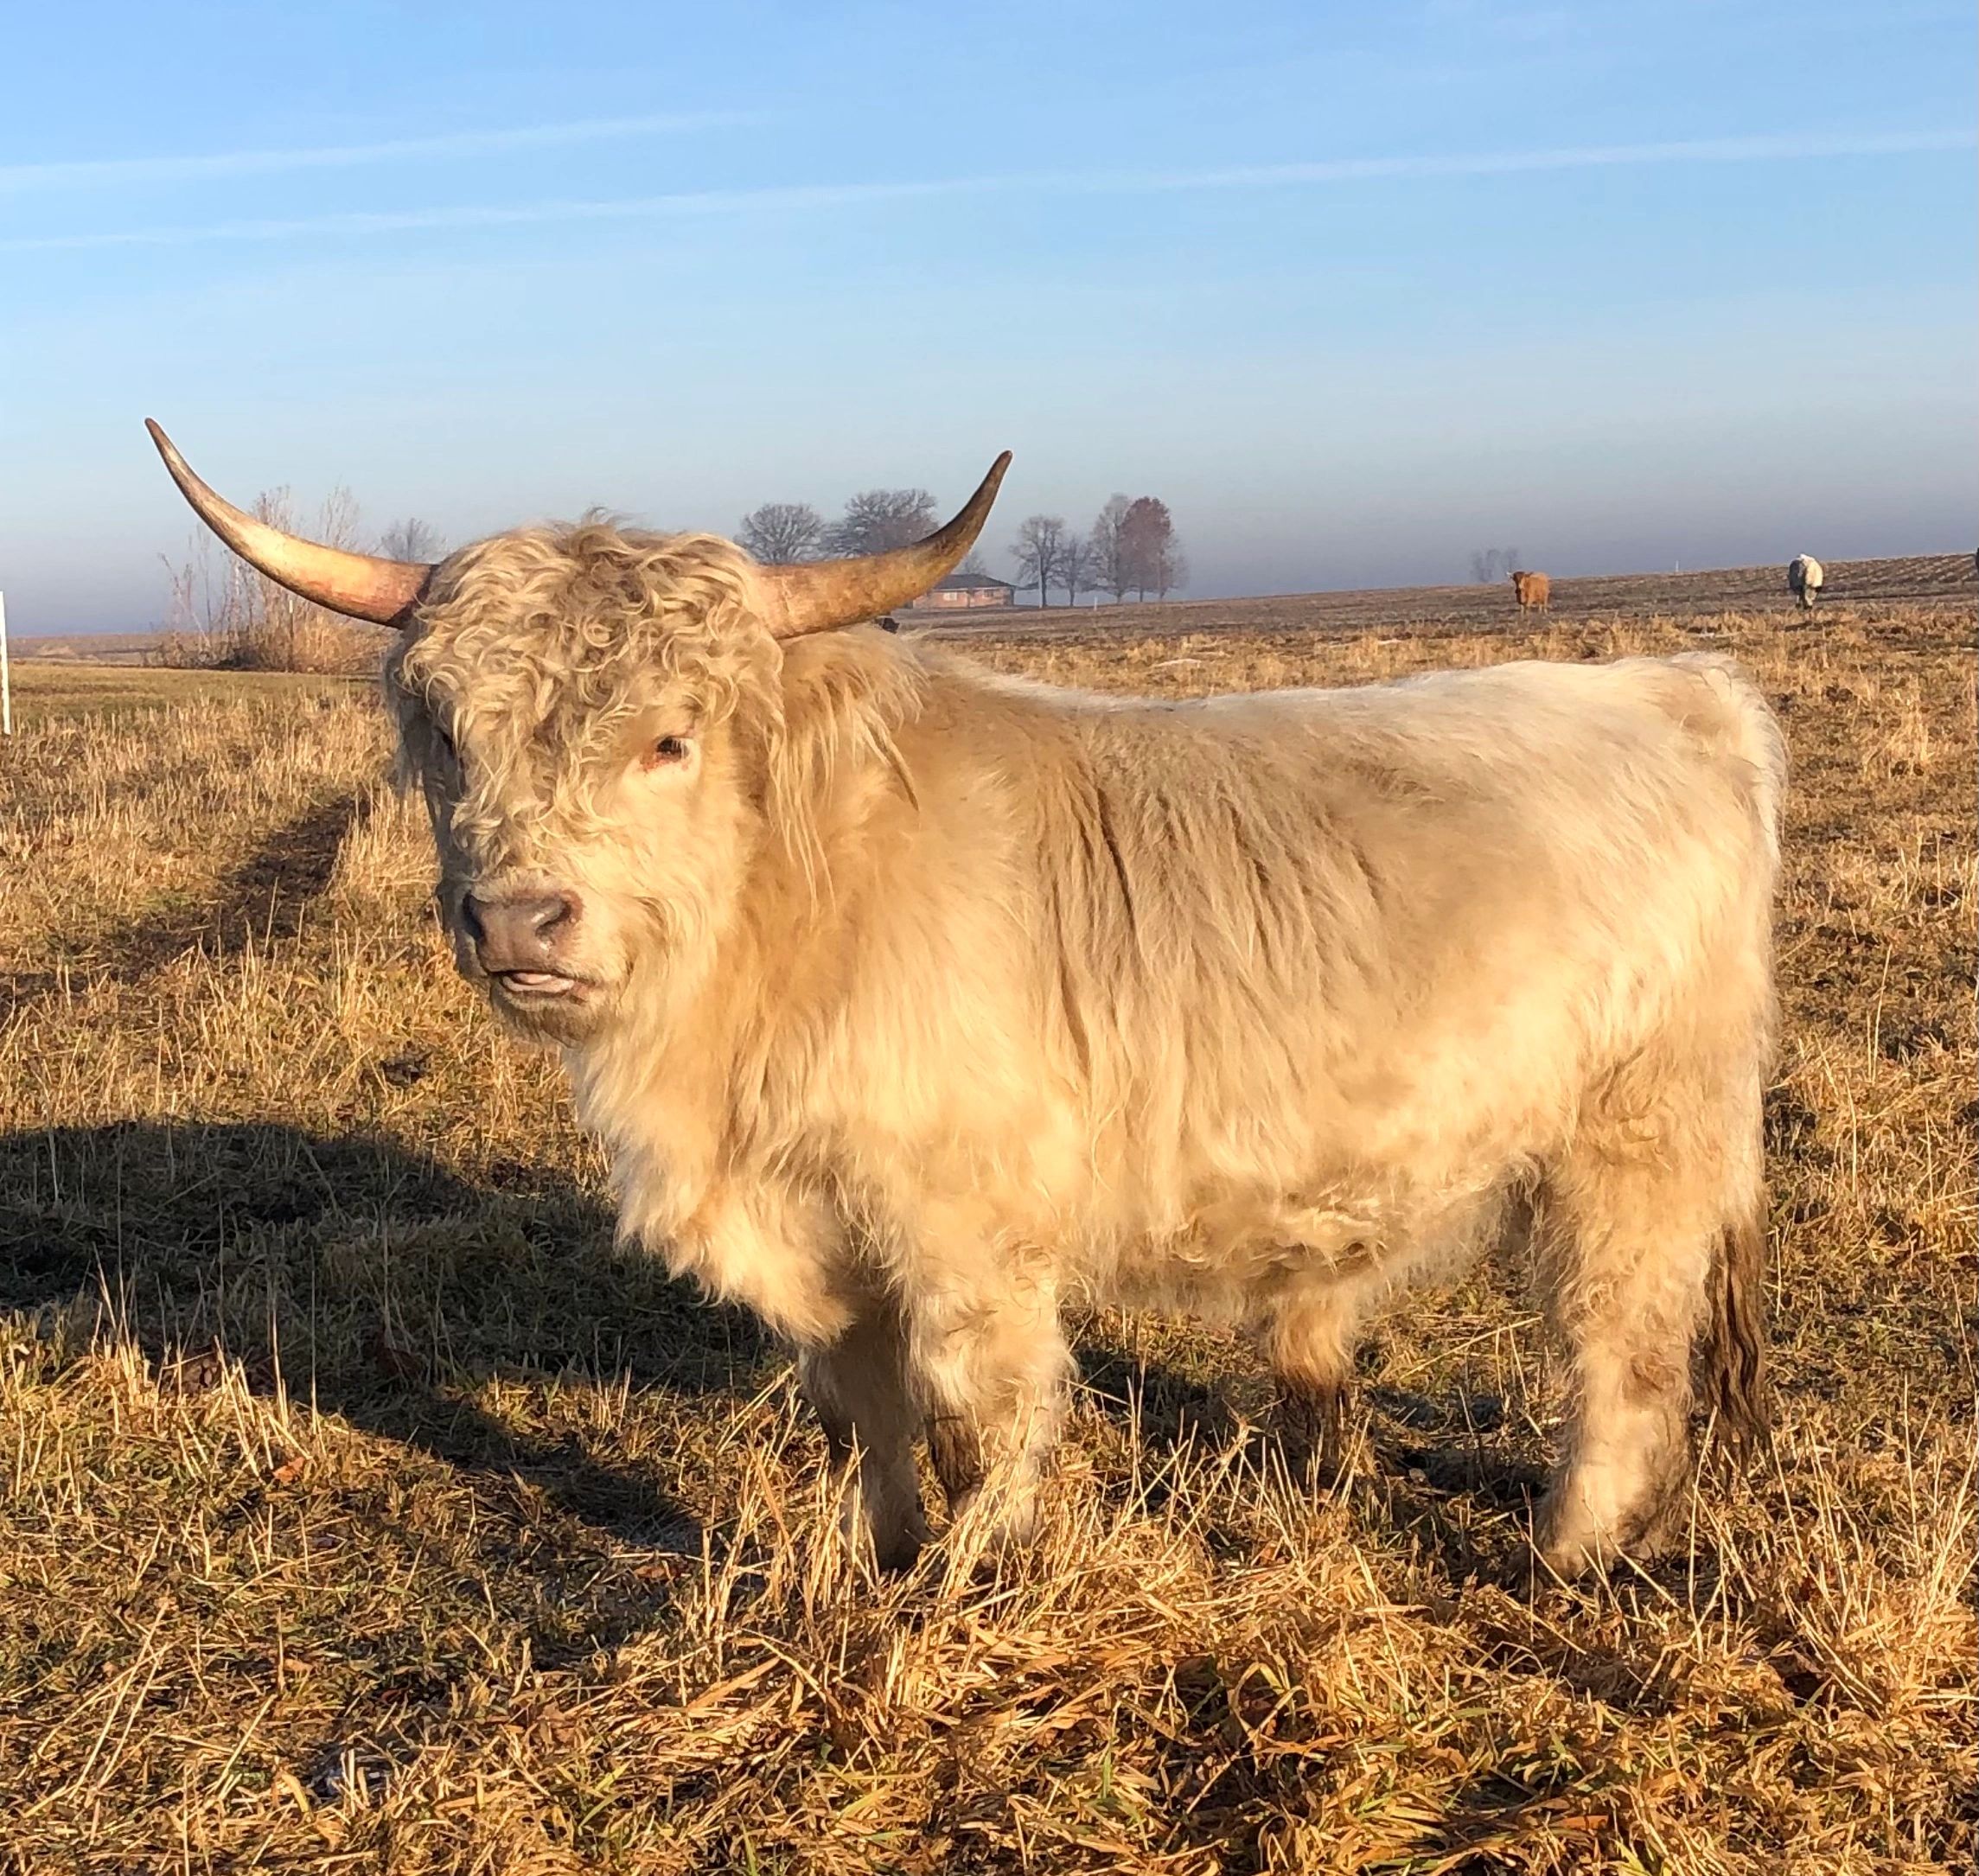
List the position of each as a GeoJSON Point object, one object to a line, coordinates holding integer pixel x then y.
{"type": "Point", "coordinates": [399, 1295]}
{"type": "Point", "coordinates": [1447, 1467]}
{"type": "Point", "coordinates": [376, 1283]}
{"type": "Point", "coordinates": [263, 900]}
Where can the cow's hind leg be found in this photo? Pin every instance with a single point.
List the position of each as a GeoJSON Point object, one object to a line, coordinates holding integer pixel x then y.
{"type": "Point", "coordinates": [859, 1389]}
{"type": "Point", "coordinates": [1635, 1217]}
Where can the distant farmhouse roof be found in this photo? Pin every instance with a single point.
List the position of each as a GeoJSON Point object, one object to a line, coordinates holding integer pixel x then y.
{"type": "Point", "coordinates": [965, 590]}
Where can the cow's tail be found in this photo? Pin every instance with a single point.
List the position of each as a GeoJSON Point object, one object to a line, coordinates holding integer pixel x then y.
{"type": "Point", "coordinates": [1734, 1385]}
{"type": "Point", "coordinates": [1737, 1394]}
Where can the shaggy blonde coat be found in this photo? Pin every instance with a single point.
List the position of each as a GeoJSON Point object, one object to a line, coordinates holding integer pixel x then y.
{"type": "Point", "coordinates": [919, 1001]}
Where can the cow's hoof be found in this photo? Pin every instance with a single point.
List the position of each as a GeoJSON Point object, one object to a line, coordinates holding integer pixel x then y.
{"type": "Point", "coordinates": [896, 1542]}
{"type": "Point", "coordinates": [990, 1528]}
{"type": "Point", "coordinates": [1571, 1541]}
{"type": "Point", "coordinates": [898, 1554]}
{"type": "Point", "coordinates": [1313, 1434]}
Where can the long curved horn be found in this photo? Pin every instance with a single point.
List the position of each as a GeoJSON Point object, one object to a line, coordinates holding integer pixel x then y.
{"type": "Point", "coordinates": [359, 585]}
{"type": "Point", "coordinates": [821, 593]}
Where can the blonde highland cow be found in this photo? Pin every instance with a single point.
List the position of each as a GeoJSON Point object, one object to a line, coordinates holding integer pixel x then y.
{"type": "Point", "coordinates": [913, 1002]}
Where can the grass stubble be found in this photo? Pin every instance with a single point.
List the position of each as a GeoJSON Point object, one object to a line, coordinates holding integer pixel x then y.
{"type": "Point", "coordinates": [361, 1508]}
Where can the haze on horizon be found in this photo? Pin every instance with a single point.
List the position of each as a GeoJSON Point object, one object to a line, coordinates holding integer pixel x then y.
{"type": "Point", "coordinates": [1356, 291]}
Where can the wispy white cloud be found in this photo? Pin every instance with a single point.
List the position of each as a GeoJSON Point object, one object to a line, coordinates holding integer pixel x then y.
{"type": "Point", "coordinates": [1712, 149]}
{"type": "Point", "coordinates": [497, 215]}
{"type": "Point", "coordinates": [827, 196]}
{"type": "Point", "coordinates": [17, 179]}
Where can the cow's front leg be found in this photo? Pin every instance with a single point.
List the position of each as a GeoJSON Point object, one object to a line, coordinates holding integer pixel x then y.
{"type": "Point", "coordinates": [859, 1386]}
{"type": "Point", "coordinates": [781, 1253]}
{"type": "Point", "coordinates": [991, 1368]}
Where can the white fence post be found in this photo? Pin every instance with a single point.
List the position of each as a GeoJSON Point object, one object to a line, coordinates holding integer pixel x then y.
{"type": "Point", "coordinates": [6, 676]}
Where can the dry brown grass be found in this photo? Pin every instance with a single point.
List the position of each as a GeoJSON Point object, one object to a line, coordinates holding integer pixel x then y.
{"type": "Point", "coordinates": [313, 641]}
{"type": "Point", "coordinates": [360, 1508]}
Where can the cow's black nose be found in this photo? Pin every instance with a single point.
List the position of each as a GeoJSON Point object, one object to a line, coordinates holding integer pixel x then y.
{"type": "Point", "coordinates": [517, 933]}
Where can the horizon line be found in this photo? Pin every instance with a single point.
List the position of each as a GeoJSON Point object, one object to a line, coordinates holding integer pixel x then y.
{"type": "Point", "coordinates": [1959, 554]}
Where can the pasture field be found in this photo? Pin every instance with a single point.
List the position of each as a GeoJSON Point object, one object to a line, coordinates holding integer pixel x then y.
{"type": "Point", "coordinates": [46, 689]}
{"type": "Point", "coordinates": [1912, 581]}
{"type": "Point", "coordinates": [362, 1509]}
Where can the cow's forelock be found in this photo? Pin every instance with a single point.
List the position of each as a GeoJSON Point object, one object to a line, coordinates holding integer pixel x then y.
{"type": "Point", "coordinates": [545, 648]}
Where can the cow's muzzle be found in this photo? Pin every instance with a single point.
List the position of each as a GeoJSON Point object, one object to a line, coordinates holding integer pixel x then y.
{"type": "Point", "coordinates": [518, 939]}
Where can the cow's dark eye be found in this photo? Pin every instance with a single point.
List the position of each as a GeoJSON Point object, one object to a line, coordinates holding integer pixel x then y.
{"type": "Point", "coordinates": [444, 738]}
{"type": "Point", "coordinates": [668, 748]}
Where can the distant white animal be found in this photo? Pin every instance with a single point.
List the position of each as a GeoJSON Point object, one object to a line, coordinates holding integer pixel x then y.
{"type": "Point", "coordinates": [1804, 578]}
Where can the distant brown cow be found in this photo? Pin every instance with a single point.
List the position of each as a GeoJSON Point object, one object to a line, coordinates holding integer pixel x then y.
{"type": "Point", "coordinates": [1535, 592]}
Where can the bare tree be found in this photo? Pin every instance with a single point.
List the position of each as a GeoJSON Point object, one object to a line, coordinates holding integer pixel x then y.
{"type": "Point", "coordinates": [1150, 555]}
{"type": "Point", "coordinates": [1106, 544]}
{"type": "Point", "coordinates": [1491, 564]}
{"type": "Point", "coordinates": [225, 612]}
{"type": "Point", "coordinates": [201, 616]}
{"type": "Point", "coordinates": [972, 562]}
{"type": "Point", "coordinates": [780, 532]}
{"type": "Point", "coordinates": [412, 540]}
{"type": "Point", "coordinates": [1075, 567]}
{"type": "Point", "coordinates": [286, 632]}
{"type": "Point", "coordinates": [1040, 546]}
{"type": "Point", "coordinates": [877, 518]}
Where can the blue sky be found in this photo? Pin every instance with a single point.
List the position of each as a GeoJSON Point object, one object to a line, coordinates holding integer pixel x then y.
{"type": "Point", "coordinates": [1356, 288]}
